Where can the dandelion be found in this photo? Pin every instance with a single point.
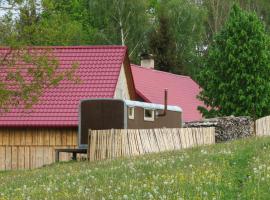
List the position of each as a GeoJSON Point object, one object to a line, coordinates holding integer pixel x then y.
{"type": "Point", "coordinates": [205, 193]}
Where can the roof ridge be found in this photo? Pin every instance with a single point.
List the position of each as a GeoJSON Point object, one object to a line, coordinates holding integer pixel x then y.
{"type": "Point", "coordinates": [159, 71]}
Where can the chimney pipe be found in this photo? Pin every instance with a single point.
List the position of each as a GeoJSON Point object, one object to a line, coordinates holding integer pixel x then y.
{"type": "Point", "coordinates": [147, 60]}
{"type": "Point", "coordinates": [165, 104]}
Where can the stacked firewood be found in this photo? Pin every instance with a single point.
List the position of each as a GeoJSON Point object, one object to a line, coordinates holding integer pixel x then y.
{"type": "Point", "coordinates": [227, 128]}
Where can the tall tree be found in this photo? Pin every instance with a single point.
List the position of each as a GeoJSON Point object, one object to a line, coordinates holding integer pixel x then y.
{"type": "Point", "coordinates": [185, 32]}
{"type": "Point", "coordinates": [162, 45]}
{"type": "Point", "coordinates": [236, 75]}
{"type": "Point", "coordinates": [188, 26]}
{"type": "Point", "coordinates": [120, 22]}
{"type": "Point", "coordinates": [218, 11]}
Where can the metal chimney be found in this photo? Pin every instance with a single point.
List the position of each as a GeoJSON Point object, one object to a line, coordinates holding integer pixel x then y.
{"type": "Point", "coordinates": [165, 104]}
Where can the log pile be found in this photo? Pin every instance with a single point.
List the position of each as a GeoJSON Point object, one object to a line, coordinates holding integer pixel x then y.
{"type": "Point", "coordinates": [226, 128]}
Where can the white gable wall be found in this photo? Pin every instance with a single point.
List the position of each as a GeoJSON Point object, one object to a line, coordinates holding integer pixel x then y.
{"type": "Point", "coordinates": [121, 91]}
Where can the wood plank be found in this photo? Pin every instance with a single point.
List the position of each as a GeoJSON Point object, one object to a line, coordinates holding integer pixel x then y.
{"type": "Point", "coordinates": [1, 136]}
{"type": "Point", "coordinates": [165, 139]}
{"type": "Point", "coordinates": [154, 144]}
{"type": "Point", "coordinates": [5, 137]}
{"type": "Point", "coordinates": [21, 157]}
{"type": "Point", "coordinates": [160, 140]}
{"type": "Point", "coordinates": [11, 137]}
{"type": "Point", "coordinates": [8, 158]}
{"type": "Point", "coordinates": [183, 138]}
{"type": "Point", "coordinates": [34, 137]}
{"type": "Point", "coordinates": [135, 142]}
{"type": "Point", "coordinates": [102, 147]}
{"type": "Point", "coordinates": [93, 145]}
{"type": "Point", "coordinates": [175, 137]}
{"type": "Point", "coordinates": [58, 138]}
{"type": "Point", "coordinates": [131, 145]}
{"type": "Point", "coordinates": [46, 141]}
{"type": "Point", "coordinates": [23, 136]}
{"type": "Point", "coordinates": [2, 157]}
{"type": "Point", "coordinates": [26, 157]}
{"type": "Point", "coordinates": [70, 138]}
{"type": "Point", "coordinates": [97, 157]}
{"type": "Point", "coordinates": [116, 143]}
{"type": "Point", "coordinates": [179, 136]}
{"type": "Point", "coordinates": [39, 156]}
{"type": "Point", "coordinates": [33, 157]}
{"type": "Point", "coordinates": [47, 155]}
{"type": "Point", "coordinates": [139, 142]}
{"type": "Point", "coordinates": [17, 136]}
{"type": "Point", "coordinates": [213, 135]}
{"type": "Point", "coordinates": [107, 144]}
{"type": "Point", "coordinates": [190, 137]}
{"type": "Point", "coordinates": [110, 144]}
{"type": "Point", "coordinates": [63, 137]}
{"type": "Point", "coordinates": [125, 136]}
{"type": "Point", "coordinates": [123, 143]}
{"type": "Point", "coordinates": [14, 157]}
{"type": "Point", "coordinates": [120, 144]}
{"type": "Point", "coordinates": [52, 137]}
{"type": "Point", "coordinates": [170, 139]}
{"type": "Point", "coordinates": [28, 137]}
{"type": "Point", "coordinates": [40, 137]}
{"type": "Point", "coordinates": [90, 136]}
{"type": "Point", "coordinates": [145, 141]}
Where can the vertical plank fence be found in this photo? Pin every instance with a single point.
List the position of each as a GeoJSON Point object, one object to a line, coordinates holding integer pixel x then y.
{"type": "Point", "coordinates": [109, 144]}
{"type": "Point", "coordinates": [263, 126]}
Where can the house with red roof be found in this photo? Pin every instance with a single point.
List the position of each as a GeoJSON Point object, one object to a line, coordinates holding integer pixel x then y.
{"type": "Point", "coordinates": [182, 90]}
{"type": "Point", "coordinates": [28, 137]}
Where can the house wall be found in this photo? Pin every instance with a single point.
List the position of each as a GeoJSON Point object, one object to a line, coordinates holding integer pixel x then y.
{"type": "Point", "coordinates": [121, 91]}
{"type": "Point", "coordinates": [100, 115]}
{"type": "Point", "coordinates": [28, 148]}
{"type": "Point", "coordinates": [171, 120]}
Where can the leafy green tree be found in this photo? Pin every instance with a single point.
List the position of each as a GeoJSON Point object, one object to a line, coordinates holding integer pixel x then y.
{"type": "Point", "coordinates": [236, 75]}
{"type": "Point", "coordinates": [22, 86]}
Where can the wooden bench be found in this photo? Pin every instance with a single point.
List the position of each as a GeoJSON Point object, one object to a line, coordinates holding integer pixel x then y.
{"type": "Point", "coordinates": [73, 151]}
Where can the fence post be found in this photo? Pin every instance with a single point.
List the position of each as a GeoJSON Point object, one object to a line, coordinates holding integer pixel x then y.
{"type": "Point", "coordinates": [89, 141]}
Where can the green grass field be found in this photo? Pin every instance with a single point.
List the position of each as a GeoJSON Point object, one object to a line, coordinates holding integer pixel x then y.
{"type": "Point", "coordinates": [236, 170]}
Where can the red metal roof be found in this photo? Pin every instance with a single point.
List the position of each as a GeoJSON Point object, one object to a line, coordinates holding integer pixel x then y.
{"type": "Point", "coordinates": [182, 90]}
{"type": "Point", "coordinates": [98, 71]}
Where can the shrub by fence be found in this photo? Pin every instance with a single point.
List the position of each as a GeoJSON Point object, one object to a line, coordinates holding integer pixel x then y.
{"type": "Point", "coordinates": [109, 144]}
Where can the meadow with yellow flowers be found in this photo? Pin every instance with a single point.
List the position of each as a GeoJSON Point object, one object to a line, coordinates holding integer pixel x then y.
{"type": "Point", "coordinates": [233, 170]}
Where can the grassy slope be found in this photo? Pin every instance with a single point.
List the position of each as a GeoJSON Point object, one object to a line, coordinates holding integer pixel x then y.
{"type": "Point", "coordinates": [237, 170]}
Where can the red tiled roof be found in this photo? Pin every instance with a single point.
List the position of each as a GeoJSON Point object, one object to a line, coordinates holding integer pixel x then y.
{"type": "Point", "coordinates": [98, 71]}
{"type": "Point", "coordinates": [182, 90]}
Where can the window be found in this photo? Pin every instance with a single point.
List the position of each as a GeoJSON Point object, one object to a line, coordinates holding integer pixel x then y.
{"type": "Point", "coordinates": [131, 112]}
{"type": "Point", "coordinates": [149, 115]}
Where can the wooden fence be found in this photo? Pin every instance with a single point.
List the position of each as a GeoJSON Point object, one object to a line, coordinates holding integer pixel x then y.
{"type": "Point", "coordinates": [28, 148]}
{"type": "Point", "coordinates": [108, 144]}
{"type": "Point", "coordinates": [263, 126]}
